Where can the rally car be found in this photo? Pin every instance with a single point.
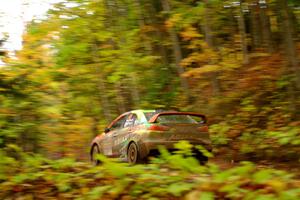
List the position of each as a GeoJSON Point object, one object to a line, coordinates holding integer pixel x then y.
{"type": "Point", "coordinates": [136, 135]}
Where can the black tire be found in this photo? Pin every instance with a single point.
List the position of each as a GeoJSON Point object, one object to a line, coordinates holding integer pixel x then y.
{"type": "Point", "coordinates": [200, 157]}
{"type": "Point", "coordinates": [95, 151]}
{"type": "Point", "coordinates": [133, 156]}
{"type": "Point", "coordinates": [203, 160]}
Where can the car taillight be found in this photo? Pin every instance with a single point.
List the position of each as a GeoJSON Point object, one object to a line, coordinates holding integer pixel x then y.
{"type": "Point", "coordinates": [158, 128]}
{"type": "Point", "coordinates": [203, 128]}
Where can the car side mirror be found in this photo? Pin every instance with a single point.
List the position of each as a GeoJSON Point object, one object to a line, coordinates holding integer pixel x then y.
{"type": "Point", "coordinates": [106, 130]}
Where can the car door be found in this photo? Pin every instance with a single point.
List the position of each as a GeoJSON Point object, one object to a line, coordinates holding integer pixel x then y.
{"type": "Point", "coordinates": [109, 138]}
{"type": "Point", "coordinates": [120, 138]}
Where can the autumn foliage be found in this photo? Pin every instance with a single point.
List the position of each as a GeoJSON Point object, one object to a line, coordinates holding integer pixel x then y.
{"type": "Point", "coordinates": [90, 60]}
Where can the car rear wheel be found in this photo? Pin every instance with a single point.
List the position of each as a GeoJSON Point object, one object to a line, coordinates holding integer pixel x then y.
{"type": "Point", "coordinates": [201, 158]}
{"type": "Point", "coordinates": [94, 152]}
{"type": "Point", "coordinates": [133, 154]}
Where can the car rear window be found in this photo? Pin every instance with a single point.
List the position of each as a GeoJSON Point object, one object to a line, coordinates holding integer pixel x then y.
{"type": "Point", "coordinates": [148, 115]}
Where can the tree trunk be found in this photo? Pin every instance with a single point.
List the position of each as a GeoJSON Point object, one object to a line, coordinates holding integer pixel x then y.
{"type": "Point", "coordinates": [141, 17]}
{"type": "Point", "coordinates": [291, 54]}
{"type": "Point", "coordinates": [101, 85]}
{"type": "Point", "coordinates": [142, 23]}
{"type": "Point", "coordinates": [255, 24]}
{"type": "Point", "coordinates": [207, 28]}
{"type": "Point", "coordinates": [120, 98]}
{"type": "Point", "coordinates": [134, 90]}
{"type": "Point", "coordinates": [265, 20]}
{"type": "Point", "coordinates": [159, 34]}
{"type": "Point", "coordinates": [94, 126]}
{"type": "Point", "coordinates": [287, 35]}
{"type": "Point", "coordinates": [103, 98]}
{"type": "Point", "coordinates": [209, 40]}
{"type": "Point", "coordinates": [177, 52]}
{"type": "Point", "coordinates": [242, 29]}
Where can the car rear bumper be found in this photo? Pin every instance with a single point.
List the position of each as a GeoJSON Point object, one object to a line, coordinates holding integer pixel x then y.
{"type": "Point", "coordinates": [149, 145]}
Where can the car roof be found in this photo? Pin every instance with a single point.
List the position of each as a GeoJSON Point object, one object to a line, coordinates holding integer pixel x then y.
{"type": "Point", "coordinates": [142, 111]}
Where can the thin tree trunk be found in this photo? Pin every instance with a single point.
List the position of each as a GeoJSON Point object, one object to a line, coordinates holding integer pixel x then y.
{"type": "Point", "coordinates": [287, 34]}
{"type": "Point", "coordinates": [162, 49]}
{"type": "Point", "coordinates": [207, 28]}
{"type": "Point", "coordinates": [209, 40]}
{"type": "Point", "coordinates": [159, 34]}
{"type": "Point", "coordinates": [141, 17]}
{"type": "Point", "coordinates": [255, 24]}
{"type": "Point", "coordinates": [291, 54]}
{"type": "Point", "coordinates": [115, 12]}
{"type": "Point", "coordinates": [64, 101]}
{"type": "Point", "coordinates": [94, 126]}
{"type": "Point", "coordinates": [134, 90]}
{"type": "Point", "coordinates": [120, 99]}
{"type": "Point", "coordinates": [267, 37]}
{"type": "Point", "coordinates": [242, 29]}
{"type": "Point", "coordinates": [142, 23]}
{"type": "Point", "coordinates": [177, 52]}
{"type": "Point", "coordinates": [101, 86]}
{"type": "Point", "coordinates": [234, 30]}
{"type": "Point", "coordinates": [103, 98]}
{"type": "Point", "coordinates": [147, 45]}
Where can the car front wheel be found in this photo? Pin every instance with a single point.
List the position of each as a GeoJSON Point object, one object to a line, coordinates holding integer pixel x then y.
{"type": "Point", "coordinates": [94, 152]}
{"type": "Point", "coordinates": [133, 154]}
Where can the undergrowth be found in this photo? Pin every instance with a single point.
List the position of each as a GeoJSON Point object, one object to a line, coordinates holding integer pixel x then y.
{"type": "Point", "coordinates": [170, 176]}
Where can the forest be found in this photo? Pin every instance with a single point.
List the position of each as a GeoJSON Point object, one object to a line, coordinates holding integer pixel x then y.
{"type": "Point", "coordinates": [88, 61]}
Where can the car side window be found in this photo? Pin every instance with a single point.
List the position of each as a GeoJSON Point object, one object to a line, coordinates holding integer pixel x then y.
{"type": "Point", "coordinates": [136, 120]}
{"type": "Point", "coordinates": [130, 121]}
{"type": "Point", "coordinates": [120, 123]}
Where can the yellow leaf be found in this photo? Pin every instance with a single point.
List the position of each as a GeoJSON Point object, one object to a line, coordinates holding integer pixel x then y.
{"type": "Point", "coordinates": [173, 20]}
{"type": "Point", "coordinates": [190, 33]}
{"type": "Point", "coordinates": [197, 72]}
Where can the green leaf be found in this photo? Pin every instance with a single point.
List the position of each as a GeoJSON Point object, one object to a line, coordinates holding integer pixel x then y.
{"type": "Point", "coordinates": [262, 176]}
{"type": "Point", "coordinates": [177, 189]}
{"type": "Point", "coordinates": [207, 196]}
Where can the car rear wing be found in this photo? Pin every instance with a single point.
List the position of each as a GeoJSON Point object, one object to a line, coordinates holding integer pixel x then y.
{"type": "Point", "coordinates": [154, 118]}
